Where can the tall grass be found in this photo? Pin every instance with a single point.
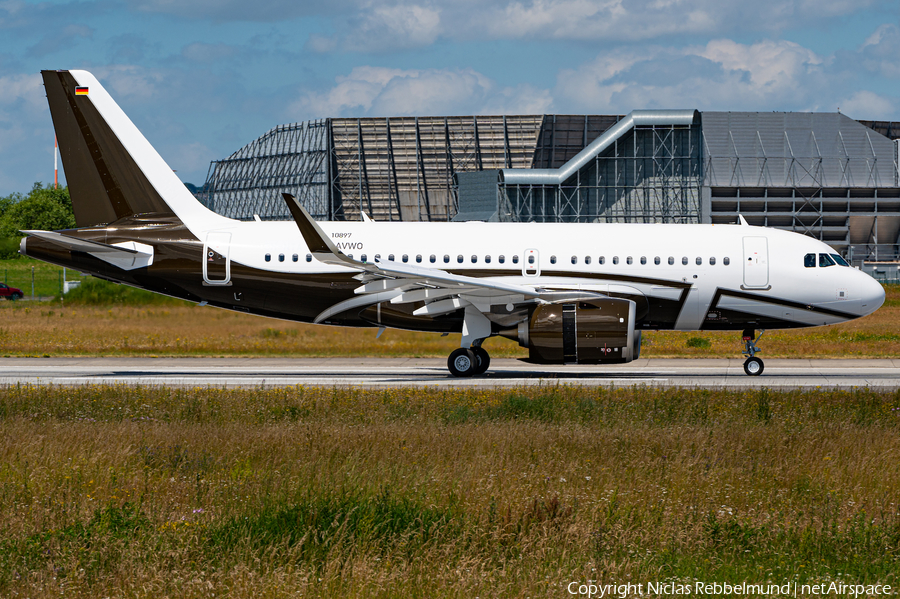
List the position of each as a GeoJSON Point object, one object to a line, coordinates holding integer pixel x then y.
{"type": "Point", "coordinates": [129, 491]}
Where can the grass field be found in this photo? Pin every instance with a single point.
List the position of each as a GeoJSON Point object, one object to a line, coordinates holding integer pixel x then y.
{"type": "Point", "coordinates": [127, 327]}
{"type": "Point", "coordinates": [131, 492]}
{"type": "Point", "coordinates": [47, 277]}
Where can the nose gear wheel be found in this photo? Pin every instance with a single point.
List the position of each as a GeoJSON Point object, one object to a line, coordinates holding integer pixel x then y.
{"type": "Point", "coordinates": [753, 366]}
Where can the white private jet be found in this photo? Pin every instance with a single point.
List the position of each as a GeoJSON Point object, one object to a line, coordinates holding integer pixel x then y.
{"type": "Point", "coordinates": [570, 293]}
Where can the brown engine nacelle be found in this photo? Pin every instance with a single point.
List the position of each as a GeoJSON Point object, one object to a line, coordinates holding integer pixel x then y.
{"type": "Point", "coordinates": [583, 332]}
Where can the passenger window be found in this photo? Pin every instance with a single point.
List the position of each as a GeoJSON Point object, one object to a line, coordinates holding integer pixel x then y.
{"type": "Point", "coordinates": [516, 259]}
{"type": "Point", "coordinates": [602, 260]}
{"type": "Point", "coordinates": [671, 260]}
{"type": "Point", "coordinates": [309, 257]}
{"type": "Point", "coordinates": [684, 261]}
{"type": "Point", "coordinates": [839, 260]}
{"type": "Point", "coordinates": [726, 261]}
{"type": "Point", "coordinates": [378, 256]}
{"type": "Point", "coordinates": [446, 258]}
{"type": "Point", "coordinates": [643, 259]}
{"type": "Point", "coordinates": [460, 258]}
{"type": "Point", "coordinates": [363, 257]}
{"type": "Point", "coordinates": [268, 257]}
{"type": "Point", "coordinates": [615, 259]}
{"type": "Point", "coordinates": [474, 258]}
{"type": "Point", "coordinates": [699, 261]}
{"type": "Point", "coordinates": [531, 259]}
{"type": "Point", "coordinates": [657, 261]}
{"type": "Point", "coordinates": [629, 260]}
{"type": "Point", "coordinates": [487, 259]}
{"type": "Point", "coordinates": [295, 257]}
{"type": "Point", "coordinates": [432, 258]}
{"type": "Point", "coordinates": [587, 259]}
{"type": "Point", "coordinates": [712, 261]}
{"type": "Point", "coordinates": [405, 257]}
{"type": "Point", "coordinates": [501, 258]}
{"type": "Point", "coordinates": [825, 260]}
{"type": "Point", "coordinates": [281, 257]}
{"type": "Point", "coordinates": [809, 260]}
{"type": "Point", "coordinates": [574, 259]}
{"type": "Point", "coordinates": [552, 259]}
{"type": "Point", "coordinates": [418, 257]}
{"type": "Point", "coordinates": [391, 257]}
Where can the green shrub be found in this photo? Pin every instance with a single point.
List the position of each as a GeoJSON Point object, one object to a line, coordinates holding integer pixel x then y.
{"type": "Point", "coordinates": [97, 292]}
{"type": "Point", "coordinates": [698, 342]}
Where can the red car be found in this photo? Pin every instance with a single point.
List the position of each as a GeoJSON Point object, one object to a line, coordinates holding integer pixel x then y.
{"type": "Point", "coordinates": [10, 293]}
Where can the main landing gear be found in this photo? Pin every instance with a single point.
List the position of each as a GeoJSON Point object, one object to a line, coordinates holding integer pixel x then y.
{"type": "Point", "coordinates": [753, 366]}
{"type": "Point", "coordinates": [468, 361]}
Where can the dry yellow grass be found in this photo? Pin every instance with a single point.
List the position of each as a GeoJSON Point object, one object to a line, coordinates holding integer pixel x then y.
{"type": "Point", "coordinates": [130, 492]}
{"type": "Point", "coordinates": [50, 329]}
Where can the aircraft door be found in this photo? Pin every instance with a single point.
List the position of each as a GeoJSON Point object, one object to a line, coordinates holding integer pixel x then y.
{"type": "Point", "coordinates": [531, 263]}
{"type": "Point", "coordinates": [756, 262]}
{"type": "Point", "coordinates": [216, 263]}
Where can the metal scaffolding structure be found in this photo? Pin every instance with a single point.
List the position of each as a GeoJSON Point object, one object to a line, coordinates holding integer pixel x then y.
{"type": "Point", "coordinates": [287, 159]}
{"type": "Point", "coordinates": [822, 174]}
{"type": "Point", "coordinates": [403, 168]}
{"type": "Point", "coordinates": [649, 171]}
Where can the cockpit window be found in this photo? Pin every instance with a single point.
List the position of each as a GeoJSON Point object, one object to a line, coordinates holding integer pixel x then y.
{"type": "Point", "coordinates": [825, 260]}
{"type": "Point", "coordinates": [809, 260]}
{"type": "Point", "coordinates": [839, 260]}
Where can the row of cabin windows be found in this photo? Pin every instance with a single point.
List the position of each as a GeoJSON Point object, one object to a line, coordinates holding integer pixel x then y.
{"type": "Point", "coordinates": [656, 260]}
{"type": "Point", "coordinates": [587, 259]}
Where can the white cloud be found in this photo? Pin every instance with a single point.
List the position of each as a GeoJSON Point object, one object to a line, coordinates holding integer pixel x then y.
{"type": "Point", "coordinates": [60, 40]}
{"type": "Point", "coordinates": [385, 26]}
{"type": "Point", "coordinates": [723, 75]}
{"type": "Point", "coordinates": [21, 88]}
{"type": "Point", "coordinates": [867, 105]}
{"type": "Point", "coordinates": [879, 53]}
{"type": "Point", "coordinates": [378, 91]}
{"type": "Point", "coordinates": [131, 82]}
{"type": "Point", "coordinates": [394, 27]}
{"type": "Point", "coordinates": [26, 134]}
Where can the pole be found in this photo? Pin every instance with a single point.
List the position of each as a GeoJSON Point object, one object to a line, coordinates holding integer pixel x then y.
{"type": "Point", "coordinates": [55, 163]}
{"type": "Point", "coordinates": [32, 282]}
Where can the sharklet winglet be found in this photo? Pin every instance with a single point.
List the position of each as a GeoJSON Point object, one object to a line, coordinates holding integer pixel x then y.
{"type": "Point", "coordinates": [316, 240]}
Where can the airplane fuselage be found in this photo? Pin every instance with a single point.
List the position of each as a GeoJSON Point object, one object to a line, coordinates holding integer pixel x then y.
{"type": "Point", "coordinates": [684, 277]}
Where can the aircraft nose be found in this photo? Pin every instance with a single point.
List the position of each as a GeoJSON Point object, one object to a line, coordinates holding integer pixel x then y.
{"type": "Point", "coordinates": [871, 294]}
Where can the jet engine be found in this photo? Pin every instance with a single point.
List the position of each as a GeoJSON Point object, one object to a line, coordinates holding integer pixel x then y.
{"type": "Point", "coordinates": [595, 331]}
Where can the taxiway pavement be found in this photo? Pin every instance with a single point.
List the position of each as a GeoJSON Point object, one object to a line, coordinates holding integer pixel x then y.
{"type": "Point", "coordinates": [388, 372]}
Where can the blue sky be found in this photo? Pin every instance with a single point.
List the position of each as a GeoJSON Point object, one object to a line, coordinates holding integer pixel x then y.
{"type": "Point", "coordinates": [201, 78]}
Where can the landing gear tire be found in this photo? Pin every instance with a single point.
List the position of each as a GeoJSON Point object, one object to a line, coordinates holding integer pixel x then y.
{"type": "Point", "coordinates": [482, 360]}
{"type": "Point", "coordinates": [753, 366]}
{"type": "Point", "coordinates": [462, 362]}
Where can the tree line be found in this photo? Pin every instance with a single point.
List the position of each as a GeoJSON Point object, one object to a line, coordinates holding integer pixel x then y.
{"type": "Point", "coordinates": [44, 207]}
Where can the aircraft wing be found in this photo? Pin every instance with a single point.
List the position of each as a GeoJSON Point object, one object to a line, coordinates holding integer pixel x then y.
{"type": "Point", "coordinates": [443, 292]}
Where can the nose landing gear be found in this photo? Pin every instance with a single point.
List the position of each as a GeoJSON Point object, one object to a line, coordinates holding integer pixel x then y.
{"type": "Point", "coordinates": [753, 366]}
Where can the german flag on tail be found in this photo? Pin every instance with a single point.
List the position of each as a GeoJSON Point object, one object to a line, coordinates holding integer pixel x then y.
{"type": "Point", "coordinates": [81, 91]}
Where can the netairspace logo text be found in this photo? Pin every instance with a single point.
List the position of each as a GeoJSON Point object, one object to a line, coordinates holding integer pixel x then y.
{"type": "Point", "coordinates": [592, 589]}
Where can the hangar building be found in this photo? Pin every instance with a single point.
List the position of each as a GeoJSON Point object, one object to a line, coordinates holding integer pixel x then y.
{"type": "Point", "coordinates": [822, 174]}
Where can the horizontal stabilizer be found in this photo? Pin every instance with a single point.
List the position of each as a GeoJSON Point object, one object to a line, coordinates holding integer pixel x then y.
{"type": "Point", "coordinates": [127, 256]}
